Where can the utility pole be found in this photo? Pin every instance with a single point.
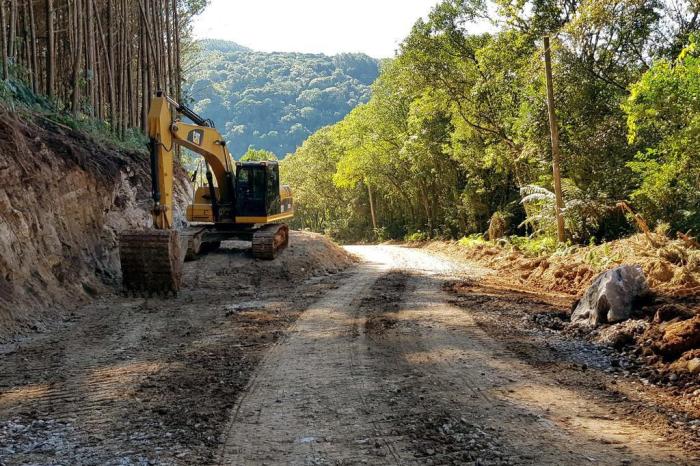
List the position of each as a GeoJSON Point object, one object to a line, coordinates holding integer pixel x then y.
{"type": "Point", "coordinates": [371, 206]}
{"type": "Point", "coordinates": [554, 132]}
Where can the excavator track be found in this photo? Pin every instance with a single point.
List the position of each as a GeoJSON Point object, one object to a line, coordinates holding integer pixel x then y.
{"type": "Point", "coordinates": [269, 240]}
{"type": "Point", "coordinates": [151, 261]}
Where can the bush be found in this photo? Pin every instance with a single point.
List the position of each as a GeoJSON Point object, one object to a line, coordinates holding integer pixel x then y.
{"type": "Point", "coordinates": [472, 240]}
{"type": "Point", "coordinates": [416, 237]}
{"type": "Point", "coordinates": [536, 246]}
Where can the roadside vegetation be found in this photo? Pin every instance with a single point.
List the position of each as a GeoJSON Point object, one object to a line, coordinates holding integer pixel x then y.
{"type": "Point", "coordinates": [456, 136]}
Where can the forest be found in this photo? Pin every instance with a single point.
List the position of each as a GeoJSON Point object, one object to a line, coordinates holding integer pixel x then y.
{"type": "Point", "coordinates": [274, 101]}
{"type": "Point", "coordinates": [95, 63]}
{"type": "Point", "coordinates": [456, 136]}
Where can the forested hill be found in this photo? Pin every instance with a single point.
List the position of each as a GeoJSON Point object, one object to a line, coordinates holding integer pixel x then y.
{"type": "Point", "coordinates": [274, 101]}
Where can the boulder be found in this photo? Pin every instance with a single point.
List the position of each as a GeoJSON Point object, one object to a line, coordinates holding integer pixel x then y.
{"type": "Point", "coordinates": [694, 366]}
{"type": "Point", "coordinates": [611, 296]}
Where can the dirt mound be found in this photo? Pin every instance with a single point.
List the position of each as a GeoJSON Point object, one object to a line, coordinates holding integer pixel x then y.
{"type": "Point", "coordinates": [232, 265]}
{"type": "Point", "coordinates": [664, 334]}
{"type": "Point", "coordinates": [671, 267]}
{"type": "Point", "coordinates": [64, 200]}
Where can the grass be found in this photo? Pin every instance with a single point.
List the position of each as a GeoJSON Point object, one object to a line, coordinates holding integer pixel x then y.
{"type": "Point", "coordinates": [18, 98]}
{"type": "Point", "coordinates": [472, 240]}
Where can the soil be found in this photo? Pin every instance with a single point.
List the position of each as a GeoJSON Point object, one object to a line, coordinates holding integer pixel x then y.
{"type": "Point", "coordinates": [63, 202]}
{"type": "Point", "coordinates": [662, 336]}
{"type": "Point", "coordinates": [402, 358]}
{"type": "Point", "coordinates": [150, 381]}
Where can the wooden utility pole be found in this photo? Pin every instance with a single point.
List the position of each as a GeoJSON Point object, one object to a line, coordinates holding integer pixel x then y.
{"type": "Point", "coordinates": [554, 132]}
{"type": "Point", "coordinates": [371, 206]}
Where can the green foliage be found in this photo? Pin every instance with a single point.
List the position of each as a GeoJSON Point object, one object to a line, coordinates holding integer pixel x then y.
{"type": "Point", "coordinates": [664, 116]}
{"type": "Point", "coordinates": [416, 237]}
{"type": "Point", "coordinates": [582, 213]}
{"type": "Point", "coordinates": [536, 246]}
{"type": "Point", "coordinates": [457, 127]}
{"type": "Point", "coordinates": [274, 101]}
{"type": "Point", "coordinates": [473, 240]}
{"type": "Point", "coordinates": [258, 155]}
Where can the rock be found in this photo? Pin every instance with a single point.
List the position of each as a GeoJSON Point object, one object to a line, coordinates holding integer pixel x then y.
{"type": "Point", "coordinates": [611, 296]}
{"type": "Point", "coordinates": [694, 366]}
{"type": "Point", "coordinates": [621, 334]}
{"type": "Point", "coordinates": [671, 311]}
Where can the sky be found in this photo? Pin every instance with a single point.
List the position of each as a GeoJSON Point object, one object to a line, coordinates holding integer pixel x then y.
{"type": "Point", "coordinates": [375, 27]}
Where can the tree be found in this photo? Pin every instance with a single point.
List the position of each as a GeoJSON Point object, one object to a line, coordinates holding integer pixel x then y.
{"type": "Point", "coordinates": [664, 117]}
{"type": "Point", "coordinates": [253, 155]}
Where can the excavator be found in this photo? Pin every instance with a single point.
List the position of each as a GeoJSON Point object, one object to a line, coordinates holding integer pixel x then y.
{"type": "Point", "coordinates": [241, 200]}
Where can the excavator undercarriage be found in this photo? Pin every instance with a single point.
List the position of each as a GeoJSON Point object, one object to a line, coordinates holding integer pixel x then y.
{"type": "Point", "coordinates": [152, 260]}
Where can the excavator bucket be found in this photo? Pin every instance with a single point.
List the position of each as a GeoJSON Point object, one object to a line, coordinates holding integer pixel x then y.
{"type": "Point", "coordinates": [151, 261]}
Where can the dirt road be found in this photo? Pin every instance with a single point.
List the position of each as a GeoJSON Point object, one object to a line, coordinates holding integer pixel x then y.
{"type": "Point", "coordinates": [380, 364]}
{"type": "Point", "coordinates": [385, 370]}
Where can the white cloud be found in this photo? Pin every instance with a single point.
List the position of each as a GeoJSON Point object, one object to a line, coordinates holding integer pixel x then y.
{"type": "Point", "coordinates": [375, 27]}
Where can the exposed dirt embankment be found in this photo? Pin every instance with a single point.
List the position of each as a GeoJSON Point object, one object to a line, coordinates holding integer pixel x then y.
{"type": "Point", "coordinates": [672, 268]}
{"type": "Point", "coordinates": [63, 200]}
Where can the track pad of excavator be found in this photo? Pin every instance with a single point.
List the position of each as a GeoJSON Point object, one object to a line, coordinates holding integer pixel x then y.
{"type": "Point", "coordinates": [151, 261]}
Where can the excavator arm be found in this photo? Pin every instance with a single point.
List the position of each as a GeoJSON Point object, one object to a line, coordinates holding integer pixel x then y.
{"type": "Point", "coordinates": [151, 259]}
{"type": "Point", "coordinates": [201, 137]}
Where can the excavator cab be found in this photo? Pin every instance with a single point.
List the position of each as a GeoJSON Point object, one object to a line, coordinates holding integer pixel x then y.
{"type": "Point", "coordinates": [257, 191]}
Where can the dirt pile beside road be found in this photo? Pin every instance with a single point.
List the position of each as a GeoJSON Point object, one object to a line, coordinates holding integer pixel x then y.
{"type": "Point", "coordinates": [63, 201]}
{"type": "Point", "coordinates": [661, 342]}
{"type": "Point", "coordinates": [671, 267]}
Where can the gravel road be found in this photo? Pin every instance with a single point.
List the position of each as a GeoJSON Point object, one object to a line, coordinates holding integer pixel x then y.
{"type": "Point", "coordinates": [295, 363]}
{"type": "Point", "coordinates": [384, 370]}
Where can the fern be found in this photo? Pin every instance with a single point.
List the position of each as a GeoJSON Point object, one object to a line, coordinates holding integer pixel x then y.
{"type": "Point", "coordinates": [582, 211]}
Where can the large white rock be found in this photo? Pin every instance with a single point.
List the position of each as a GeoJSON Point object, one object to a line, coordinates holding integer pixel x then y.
{"type": "Point", "coordinates": [611, 296]}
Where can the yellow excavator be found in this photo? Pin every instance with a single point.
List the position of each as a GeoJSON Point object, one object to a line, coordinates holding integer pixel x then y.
{"type": "Point", "coordinates": [241, 200]}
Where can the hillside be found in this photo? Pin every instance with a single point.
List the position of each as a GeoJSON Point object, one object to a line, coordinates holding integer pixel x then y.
{"type": "Point", "coordinates": [274, 101]}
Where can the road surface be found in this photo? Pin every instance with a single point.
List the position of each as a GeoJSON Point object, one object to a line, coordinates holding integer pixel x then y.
{"type": "Point", "coordinates": [379, 364]}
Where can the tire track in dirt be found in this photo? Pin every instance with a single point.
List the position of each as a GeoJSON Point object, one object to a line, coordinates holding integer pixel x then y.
{"type": "Point", "coordinates": [386, 371]}
{"type": "Point", "coordinates": [150, 381]}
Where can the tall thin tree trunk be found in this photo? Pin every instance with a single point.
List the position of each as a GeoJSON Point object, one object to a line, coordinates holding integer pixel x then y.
{"type": "Point", "coordinates": [77, 60]}
{"type": "Point", "coordinates": [3, 20]}
{"type": "Point", "coordinates": [12, 50]}
{"type": "Point", "coordinates": [145, 77]}
{"type": "Point", "coordinates": [26, 41]}
{"type": "Point", "coordinates": [50, 50]}
{"type": "Point", "coordinates": [90, 75]}
{"type": "Point", "coordinates": [35, 54]}
{"type": "Point", "coordinates": [178, 62]}
{"type": "Point", "coordinates": [110, 71]}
